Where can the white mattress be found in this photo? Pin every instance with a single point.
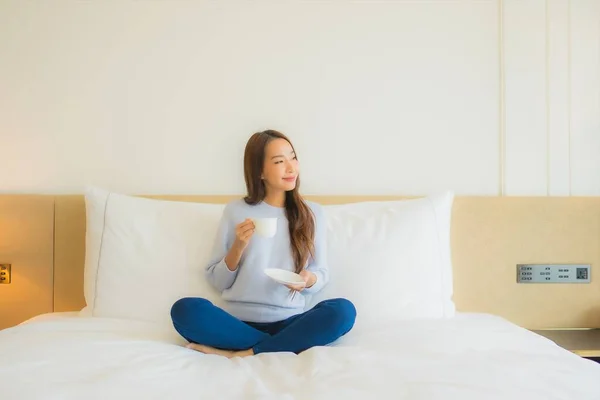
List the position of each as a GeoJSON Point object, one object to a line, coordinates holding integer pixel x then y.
{"type": "Point", "coordinates": [472, 356]}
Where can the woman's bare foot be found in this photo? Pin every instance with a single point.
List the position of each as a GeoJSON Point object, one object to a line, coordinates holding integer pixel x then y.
{"type": "Point", "coordinates": [225, 353]}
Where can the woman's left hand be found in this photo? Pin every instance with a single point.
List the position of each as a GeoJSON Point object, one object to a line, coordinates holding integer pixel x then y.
{"type": "Point", "coordinates": [309, 279]}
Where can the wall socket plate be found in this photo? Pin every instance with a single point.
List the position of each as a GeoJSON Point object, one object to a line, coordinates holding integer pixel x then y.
{"type": "Point", "coordinates": [4, 273]}
{"type": "Point", "coordinates": [553, 273]}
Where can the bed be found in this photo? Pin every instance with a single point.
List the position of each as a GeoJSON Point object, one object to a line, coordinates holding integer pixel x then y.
{"type": "Point", "coordinates": [409, 340]}
{"type": "Point", "coordinates": [470, 356]}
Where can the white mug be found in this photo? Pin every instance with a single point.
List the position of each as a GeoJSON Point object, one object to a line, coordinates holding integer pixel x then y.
{"type": "Point", "coordinates": [266, 227]}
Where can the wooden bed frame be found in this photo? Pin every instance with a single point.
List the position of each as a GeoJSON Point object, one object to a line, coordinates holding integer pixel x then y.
{"type": "Point", "coordinates": [43, 237]}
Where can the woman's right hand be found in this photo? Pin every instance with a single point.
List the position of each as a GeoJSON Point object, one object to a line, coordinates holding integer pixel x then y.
{"type": "Point", "coordinates": [243, 233]}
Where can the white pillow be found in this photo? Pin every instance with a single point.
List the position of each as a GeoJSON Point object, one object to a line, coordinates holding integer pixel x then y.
{"type": "Point", "coordinates": [391, 259]}
{"type": "Point", "coordinates": [143, 254]}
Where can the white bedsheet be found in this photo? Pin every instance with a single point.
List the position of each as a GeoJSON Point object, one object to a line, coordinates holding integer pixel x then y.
{"type": "Point", "coordinates": [472, 356]}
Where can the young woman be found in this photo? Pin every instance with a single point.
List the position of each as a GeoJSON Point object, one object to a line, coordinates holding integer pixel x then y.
{"type": "Point", "coordinates": [261, 315]}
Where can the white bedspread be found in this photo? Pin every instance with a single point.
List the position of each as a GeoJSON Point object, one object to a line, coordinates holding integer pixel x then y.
{"type": "Point", "coordinates": [472, 356]}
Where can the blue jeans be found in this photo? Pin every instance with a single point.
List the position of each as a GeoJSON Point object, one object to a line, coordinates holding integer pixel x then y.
{"type": "Point", "coordinates": [199, 321]}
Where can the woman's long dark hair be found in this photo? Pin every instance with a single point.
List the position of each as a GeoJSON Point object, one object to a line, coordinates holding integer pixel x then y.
{"type": "Point", "coordinates": [300, 217]}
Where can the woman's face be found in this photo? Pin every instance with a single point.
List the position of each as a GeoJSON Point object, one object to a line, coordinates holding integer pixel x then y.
{"type": "Point", "coordinates": [281, 168]}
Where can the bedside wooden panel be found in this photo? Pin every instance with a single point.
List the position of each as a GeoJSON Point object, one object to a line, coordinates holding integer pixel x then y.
{"type": "Point", "coordinates": [26, 242]}
{"type": "Point", "coordinates": [583, 342]}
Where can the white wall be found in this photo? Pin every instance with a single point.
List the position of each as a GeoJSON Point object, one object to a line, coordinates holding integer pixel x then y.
{"type": "Point", "coordinates": [380, 97]}
{"type": "Point", "coordinates": [552, 96]}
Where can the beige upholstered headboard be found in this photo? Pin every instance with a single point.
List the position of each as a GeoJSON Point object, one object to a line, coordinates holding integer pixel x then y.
{"type": "Point", "coordinates": [490, 236]}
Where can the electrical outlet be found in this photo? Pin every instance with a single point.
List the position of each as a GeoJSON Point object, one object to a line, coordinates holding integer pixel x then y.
{"type": "Point", "coordinates": [4, 273]}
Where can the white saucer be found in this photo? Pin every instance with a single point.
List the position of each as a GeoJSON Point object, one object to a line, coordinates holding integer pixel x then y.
{"type": "Point", "coordinates": [284, 277]}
